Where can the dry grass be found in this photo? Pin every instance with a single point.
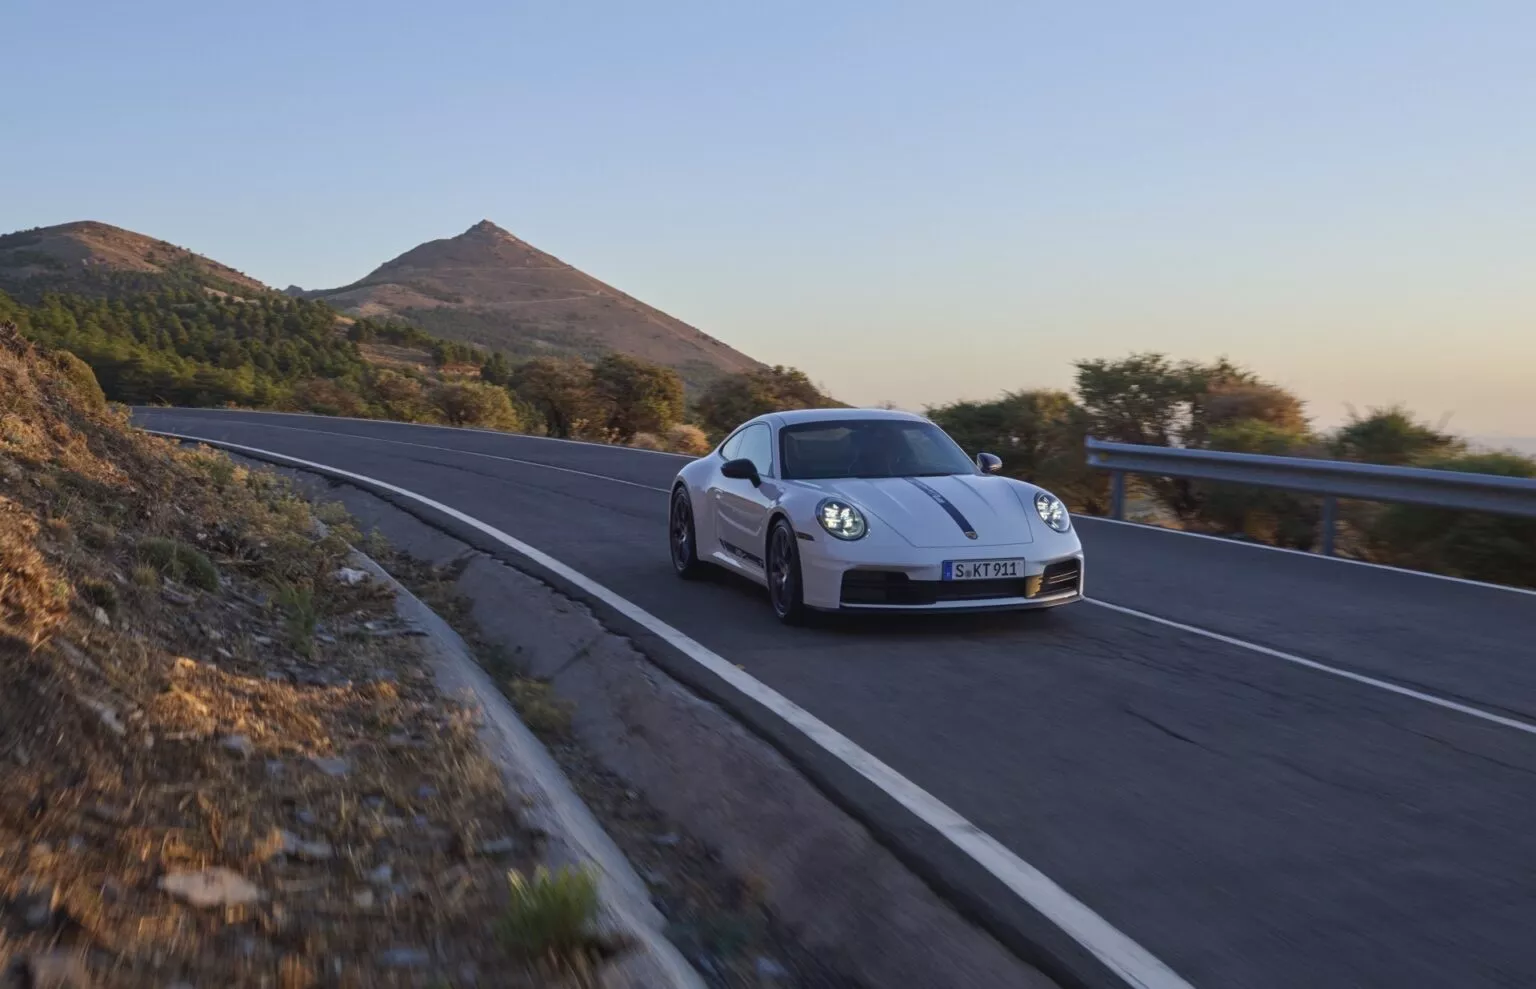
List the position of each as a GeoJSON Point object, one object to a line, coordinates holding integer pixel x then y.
{"type": "Point", "coordinates": [147, 730]}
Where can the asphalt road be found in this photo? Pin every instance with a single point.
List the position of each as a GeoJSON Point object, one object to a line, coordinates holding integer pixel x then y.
{"type": "Point", "coordinates": [1251, 821]}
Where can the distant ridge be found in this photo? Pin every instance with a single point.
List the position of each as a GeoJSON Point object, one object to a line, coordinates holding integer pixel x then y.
{"type": "Point", "coordinates": [98, 258]}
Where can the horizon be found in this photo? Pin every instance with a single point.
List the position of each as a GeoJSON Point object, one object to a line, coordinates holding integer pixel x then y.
{"type": "Point", "coordinates": [979, 201]}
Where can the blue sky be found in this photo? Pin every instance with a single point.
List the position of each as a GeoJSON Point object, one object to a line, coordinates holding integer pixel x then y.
{"type": "Point", "coordinates": [913, 202]}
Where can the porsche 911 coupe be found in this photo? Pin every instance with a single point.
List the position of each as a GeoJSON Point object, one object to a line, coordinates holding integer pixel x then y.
{"type": "Point", "coordinates": [870, 510]}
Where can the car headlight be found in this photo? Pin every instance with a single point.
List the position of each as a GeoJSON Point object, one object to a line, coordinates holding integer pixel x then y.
{"type": "Point", "coordinates": [1052, 512]}
{"type": "Point", "coordinates": [841, 519]}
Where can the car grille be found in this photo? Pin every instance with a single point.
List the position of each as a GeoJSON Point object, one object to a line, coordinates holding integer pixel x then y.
{"type": "Point", "coordinates": [895, 588]}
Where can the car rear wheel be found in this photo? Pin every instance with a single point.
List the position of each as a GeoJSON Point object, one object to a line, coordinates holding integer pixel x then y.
{"type": "Point", "coordinates": [785, 591]}
{"type": "Point", "coordinates": [681, 538]}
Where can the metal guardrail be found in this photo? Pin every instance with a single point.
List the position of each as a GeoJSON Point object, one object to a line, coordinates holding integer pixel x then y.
{"type": "Point", "coordinates": [1329, 479]}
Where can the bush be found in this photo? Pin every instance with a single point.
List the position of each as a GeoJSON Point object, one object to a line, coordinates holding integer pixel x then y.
{"type": "Point", "coordinates": [646, 441]}
{"type": "Point", "coordinates": [475, 403]}
{"type": "Point", "coordinates": [550, 917]}
{"type": "Point", "coordinates": [683, 438]}
{"type": "Point", "coordinates": [82, 380]}
{"type": "Point", "coordinates": [301, 616]}
{"type": "Point", "coordinates": [180, 562]}
{"type": "Point", "coordinates": [1268, 515]}
{"type": "Point", "coordinates": [1476, 546]}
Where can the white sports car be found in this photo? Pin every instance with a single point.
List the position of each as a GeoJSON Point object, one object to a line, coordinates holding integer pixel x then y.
{"type": "Point", "coordinates": [871, 510]}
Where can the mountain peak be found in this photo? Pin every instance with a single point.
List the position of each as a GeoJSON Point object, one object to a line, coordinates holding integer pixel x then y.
{"type": "Point", "coordinates": [487, 227]}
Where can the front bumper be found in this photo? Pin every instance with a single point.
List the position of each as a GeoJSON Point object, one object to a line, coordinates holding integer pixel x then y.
{"type": "Point", "coordinates": [848, 577]}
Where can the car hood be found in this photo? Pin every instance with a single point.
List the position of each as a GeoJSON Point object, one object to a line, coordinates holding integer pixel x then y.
{"type": "Point", "coordinates": [992, 507]}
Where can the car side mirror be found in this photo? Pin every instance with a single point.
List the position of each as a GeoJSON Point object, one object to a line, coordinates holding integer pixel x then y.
{"type": "Point", "coordinates": [741, 469]}
{"type": "Point", "coordinates": [990, 463]}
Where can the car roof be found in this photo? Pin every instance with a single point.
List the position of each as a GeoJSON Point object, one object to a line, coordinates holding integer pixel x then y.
{"type": "Point", "coordinates": [797, 416]}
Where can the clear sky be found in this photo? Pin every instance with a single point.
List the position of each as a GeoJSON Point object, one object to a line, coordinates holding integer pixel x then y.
{"type": "Point", "coordinates": [913, 202]}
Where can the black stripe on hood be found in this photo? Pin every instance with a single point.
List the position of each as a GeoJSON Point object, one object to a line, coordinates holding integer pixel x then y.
{"type": "Point", "coordinates": [944, 503]}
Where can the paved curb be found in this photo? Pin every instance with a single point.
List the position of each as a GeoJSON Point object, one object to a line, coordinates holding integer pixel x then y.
{"type": "Point", "coordinates": [572, 837]}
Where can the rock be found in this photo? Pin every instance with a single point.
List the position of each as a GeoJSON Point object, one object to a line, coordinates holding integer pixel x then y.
{"type": "Point", "coordinates": [306, 817]}
{"type": "Point", "coordinates": [107, 813]}
{"type": "Point", "coordinates": [767, 968]}
{"type": "Point", "coordinates": [107, 715]}
{"type": "Point", "coordinates": [426, 792]}
{"type": "Point", "coordinates": [404, 958]}
{"type": "Point", "coordinates": [334, 766]}
{"type": "Point", "coordinates": [216, 887]}
{"type": "Point", "coordinates": [240, 745]}
{"type": "Point", "coordinates": [383, 875]}
{"type": "Point", "coordinates": [100, 614]}
{"type": "Point", "coordinates": [35, 905]}
{"type": "Point", "coordinates": [50, 970]}
{"type": "Point", "coordinates": [287, 843]}
{"type": "Point", "coordinates": [262, 640]}
{"type": "Point", "coordinates": [364, 899]}
{"type": "Point", "coordinates": [350, 577]}
{"type": "Point", "coordinates": [275, 768]}
{"type": "Point", "coordinates": [496, 846]}
{"type": "Point", "coordinates": [668, 840]}
{"type": "Point", "coordinates": [176, 597]}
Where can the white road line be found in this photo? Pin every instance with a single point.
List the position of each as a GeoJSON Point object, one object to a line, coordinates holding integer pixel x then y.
{"type": "Point", "coordinates": [1123, 956]}
{"type": "Point", "coordinates": [1312, 664]}
{"type": "Point", "coordinates": [466, 453]}
{"type": "Point", "coordinates": [1311, 556]}
{"type": "Point", "coordinates": [154, 409]}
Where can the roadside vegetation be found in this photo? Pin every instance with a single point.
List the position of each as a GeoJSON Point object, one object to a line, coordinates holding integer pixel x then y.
{"type": "Point", "coordinates": [1147, 398]}
{"type": "Point", "coordinates": [222, 758]}
{"type": "Point", "coordinates": [187, 346]}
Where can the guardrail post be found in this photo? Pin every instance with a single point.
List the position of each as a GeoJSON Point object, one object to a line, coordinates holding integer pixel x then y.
{"type": "Point", "coordinates": [1330, 522]}
{"type": "Point", "coordinates": [1117, 494]}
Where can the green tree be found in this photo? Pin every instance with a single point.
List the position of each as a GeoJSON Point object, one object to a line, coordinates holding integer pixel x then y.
{"type": "Point", "coordinates": [559, 390]}
{"type": "Point", "coordinates": [1039, 436]}
{"type": "Point", "coordinates": [475, 403]}
{"type": "Point", "coordinates": [1391, 436]}
{"type": "Point", "coordinates": [634, 396]}
{"type": "Point", "coordinates": [735, 398]}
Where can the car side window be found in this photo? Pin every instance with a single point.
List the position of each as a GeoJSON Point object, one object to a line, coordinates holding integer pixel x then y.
{"type": "Point", "coordinates": [757, 446]}
{"type": "Point", "coordinates": [729, 447]}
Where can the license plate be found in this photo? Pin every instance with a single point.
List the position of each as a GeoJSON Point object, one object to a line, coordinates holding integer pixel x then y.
{"type": "Point", "coordinates": [982, 569]}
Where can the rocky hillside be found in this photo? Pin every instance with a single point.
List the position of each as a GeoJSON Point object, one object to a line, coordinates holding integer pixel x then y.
{"type": "Point", "coordinates": [223, 761]}
{"type": "Point", "coordinates": [488, 287]}
{"type": "Point", "coordinates": [100, 259]}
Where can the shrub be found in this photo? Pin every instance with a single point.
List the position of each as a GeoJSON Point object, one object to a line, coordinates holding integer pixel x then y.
{"type": "Point", "coordinates": [100, 593]}
{"type": "Point", "coordinates": [646, 441]}
{"type": "Point", "coordinates": [550, 917]}
{"type": "Point", "coordinates": [301, 616]}
{"type": "Point", "coordinates": [179, 561]}
{"type": "Point", "coordinates": [684, 438]}
{"type": "Point", "coordinates": [1477, 546]}
{"type": "Point", "coordinates": [82, 380]}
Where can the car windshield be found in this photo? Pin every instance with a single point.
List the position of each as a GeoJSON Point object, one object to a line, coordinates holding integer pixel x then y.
{"type": "Point", "coordinates": [870, 448]}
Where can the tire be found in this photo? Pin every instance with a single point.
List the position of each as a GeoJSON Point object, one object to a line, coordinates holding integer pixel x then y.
{"type": "Point", "coordinates": [786, 593]}
{"type": "Point", "coordinates": [681, 539]}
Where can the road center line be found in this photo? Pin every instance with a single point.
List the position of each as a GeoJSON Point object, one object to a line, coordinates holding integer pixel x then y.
{"type": "Point", "coordinates": [449, 449]}
{"type": "Point", "coordinates": [1116, 950]}
{"type": "Point", "coordinates": [1312, 664]}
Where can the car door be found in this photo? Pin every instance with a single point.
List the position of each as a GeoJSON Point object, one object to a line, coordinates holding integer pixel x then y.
{"type": "Point", "coordinates": [741, 507]}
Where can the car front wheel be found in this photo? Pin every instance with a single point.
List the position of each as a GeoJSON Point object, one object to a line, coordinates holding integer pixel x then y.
{"type": "Point", "coordinates": [784, 588]}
